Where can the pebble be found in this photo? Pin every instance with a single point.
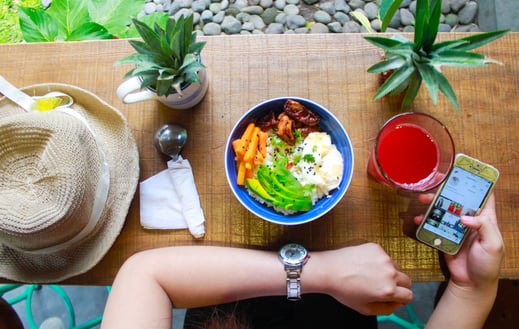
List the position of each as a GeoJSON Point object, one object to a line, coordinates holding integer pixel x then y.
{"type": "Point", "coordinates": [467, 14]}
{"type": "Point", "coordinates": [319, 28]}
{"type": "Point", "coordinates": [323, 17]}
{"type": "Point", "coordinates": [215, 17]}
{"type": "Point", "coordinates": [275, 28]}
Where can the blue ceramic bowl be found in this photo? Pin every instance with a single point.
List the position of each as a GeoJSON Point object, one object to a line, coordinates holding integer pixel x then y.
{"type": "Point", "coordinates": [329, 123]}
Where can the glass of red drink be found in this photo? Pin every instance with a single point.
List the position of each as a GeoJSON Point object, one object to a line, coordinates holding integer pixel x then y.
{"type": "Point", "coordinates": [413, 152]}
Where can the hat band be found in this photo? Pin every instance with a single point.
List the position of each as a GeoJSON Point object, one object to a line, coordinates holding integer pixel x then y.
{"type": "Point", "coordinates": [101, 195]}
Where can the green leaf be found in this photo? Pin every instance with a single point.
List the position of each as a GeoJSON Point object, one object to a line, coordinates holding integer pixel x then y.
{"type": "Point", "coordinates": [446, 89]}
{"type": "Point", "coordinates": [459, 58]}
{"type": "Point", "coordinates": [449, 44]}
{"type": "Point", "coordinates": [413, 87]}
{"type": "Point", "coordinates": [89, 31]}
{"type": "Point", "coordinates": [160, 18]}
{"type": "Point", "coordinates": [114, 15]}
{"type": "Point", "coordinates": [69, 15]}
{"type": "Point", "coordinates": [363, 20]}
{"type": "Point", "coordinates": [196, 47]}
{"type": "Point", "coordinates": [404, 50]}
{"type": "Point", "coordinates": [387, 10]}
{"type": "Point", "coordinates": [431, 28]}
{"type": "Point", "coordinates": [400, 88]}
{"type": "Point", "coordinates": [383, 42]}
{"type": "Point", "coordinates": [421, 21]}
{"type": "Point", "coordinates": [428, 76]}
{"type": "Point", "coordinates": [152, 43]}
{"type": "Point", "coordinates": [394, 81]}
{"type": "Point", "coordinates": [481, 39]}
{"type": "Point", "coordinates": [386, 65]}
{"type": "Point", "coordinates": [37, 25]}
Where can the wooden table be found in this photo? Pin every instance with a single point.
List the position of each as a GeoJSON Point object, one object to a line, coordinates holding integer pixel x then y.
{"type": "Point", "coordinates": [329, 69]}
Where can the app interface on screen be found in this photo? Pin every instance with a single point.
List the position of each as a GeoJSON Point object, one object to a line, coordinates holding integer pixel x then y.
{"type": "Point", "coordinates": [462, 194]}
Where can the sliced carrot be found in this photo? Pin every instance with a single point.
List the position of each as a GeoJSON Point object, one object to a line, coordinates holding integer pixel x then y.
{"type": "Point", "coordinates": [249, 173]}
{"type": "Point", "coordinates": [262, 147]}
{"type": "Point", "coordinates": [259, 158]}
{"type": "Point", "coordinates": [236, 146]}
{"type": "Point", "coordinates": [240, 179]}
{"type": "Point", "coordinates": [252, 148]}
{"type": "Point", "coordinates": [242, 143]}
{"type": "Point", "coordinates": [247, 134]}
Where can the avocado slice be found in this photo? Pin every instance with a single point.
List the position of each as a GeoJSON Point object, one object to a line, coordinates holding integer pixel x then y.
{"type": "Point", "coordinates": [255, 186]}
{"type": "Point", "coordinates": [284, 189]}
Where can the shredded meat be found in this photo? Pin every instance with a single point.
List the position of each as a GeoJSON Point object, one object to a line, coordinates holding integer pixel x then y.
{"type": "Point", "coordinates": [285, 129]}
{"type": "Point", "coordinates": [299, 112]}
{"type": "Point", "coordinates": [305, 131]}
{"type": "Point", "coordinates": [268, 122]}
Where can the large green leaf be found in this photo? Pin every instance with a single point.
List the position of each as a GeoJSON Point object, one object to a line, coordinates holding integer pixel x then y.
{"type": "Point", "coordinates": [431, 29]}
{"type": "Point", "coordinates": [446, 89]}
{"type": "Point", "coordinates": [69, 15]}
{"type": "Point", "coordinates": [37, 25]}
{"type": "Point", "coordinates": [89, 31]}
{"type": "Point", "coordinates": [152, 43]}
{"type": "Point", "coordinates": [394, 81]}
{"type": "Point", "coordinates": [460, 58]}
{"type": "Point", "coordinates": [114, 15]}
{"type": "Point", "coordinates": [386, 65]}
{"type": "Point", "coordinates": [150, 20]}
{"type": "Point", "coordinates": [413, 87]}
{"type": "Point", "coordinates": [421, 21]}
{"type": "Point", "coordinates": [383, 42]}
{"type": "Point", "coordinates": [481, 39]}
{"type": "Point", "coordinates": [387, 10]}
{"type": "Point", "coordinates": [429, 77]}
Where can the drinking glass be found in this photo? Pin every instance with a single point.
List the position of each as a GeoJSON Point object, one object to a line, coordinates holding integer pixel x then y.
{"type": "Point", "coordinates": [412, 152]}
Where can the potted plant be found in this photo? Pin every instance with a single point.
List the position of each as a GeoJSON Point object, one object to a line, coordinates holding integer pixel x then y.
{"type": "Point", "coordinates": [167, 65]}
{"type": "Point", "coordinates": [407, 63]}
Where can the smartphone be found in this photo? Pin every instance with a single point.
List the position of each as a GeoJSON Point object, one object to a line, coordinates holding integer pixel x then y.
{"type": "Point", "coordinates": [464, 192]}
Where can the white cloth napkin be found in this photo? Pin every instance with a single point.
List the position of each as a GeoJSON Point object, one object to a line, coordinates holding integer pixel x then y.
{"type": "Point", "coordinates": [169, 200]}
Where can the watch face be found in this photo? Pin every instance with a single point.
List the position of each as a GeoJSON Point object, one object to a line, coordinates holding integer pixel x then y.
{"type": "Point", "coordinates": [293, 254]}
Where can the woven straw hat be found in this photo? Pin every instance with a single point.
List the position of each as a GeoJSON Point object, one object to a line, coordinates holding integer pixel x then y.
{"type": "Point", "coordinates": [66, 183]}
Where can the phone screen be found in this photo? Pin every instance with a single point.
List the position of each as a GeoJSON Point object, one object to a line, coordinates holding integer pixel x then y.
{"type": "Point", "coordinates": [462, 194]}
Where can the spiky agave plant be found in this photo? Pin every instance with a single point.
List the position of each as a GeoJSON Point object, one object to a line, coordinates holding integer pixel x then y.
{"type": "Point", "coordinates": [408, 63]}
{"type": "Point", "coordinates": [167, 58]}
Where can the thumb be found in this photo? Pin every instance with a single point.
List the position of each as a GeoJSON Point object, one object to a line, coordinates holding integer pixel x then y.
{"type": "Point", "coordinates": [487, 232]}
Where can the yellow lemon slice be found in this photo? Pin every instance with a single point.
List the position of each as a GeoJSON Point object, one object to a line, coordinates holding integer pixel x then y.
{"type": "Point", "coordinates": [46, 104]}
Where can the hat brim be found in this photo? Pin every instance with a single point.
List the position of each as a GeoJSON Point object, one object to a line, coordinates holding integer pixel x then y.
{"type": "Point", "coordinates": [122, 155]}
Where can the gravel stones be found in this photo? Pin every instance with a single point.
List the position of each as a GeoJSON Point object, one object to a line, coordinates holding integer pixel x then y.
{"type": "Point", "coordinates": [214, 17]}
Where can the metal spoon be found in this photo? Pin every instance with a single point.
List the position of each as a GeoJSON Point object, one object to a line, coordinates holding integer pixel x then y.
{"type": "Point", "coordinates": [170, 139]}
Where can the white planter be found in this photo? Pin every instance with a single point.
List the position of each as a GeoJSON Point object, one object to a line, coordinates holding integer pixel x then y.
{"type": "Point", "coordinates": [130, 92]}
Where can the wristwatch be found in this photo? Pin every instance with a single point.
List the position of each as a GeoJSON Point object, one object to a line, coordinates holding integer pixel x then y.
{"type": "Point", "coordinates": [293, 256]}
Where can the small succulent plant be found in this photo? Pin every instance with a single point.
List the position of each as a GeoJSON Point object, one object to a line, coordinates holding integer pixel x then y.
{"type": "Point", "coordinates": [408, 63]}
{"type": "Point", "coordinates": [167, 58]}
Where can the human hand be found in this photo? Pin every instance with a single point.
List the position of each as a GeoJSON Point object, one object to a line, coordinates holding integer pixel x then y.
{"type": "Point", "coordinates": [478, 262]}
{"type": "Point", "coordinates": [362, 277]}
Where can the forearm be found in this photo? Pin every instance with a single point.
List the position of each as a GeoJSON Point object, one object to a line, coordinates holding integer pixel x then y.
{"type": "Point", "coordinates": [152, 282]}
{"type": "Point", "coordinates": [463, 307]}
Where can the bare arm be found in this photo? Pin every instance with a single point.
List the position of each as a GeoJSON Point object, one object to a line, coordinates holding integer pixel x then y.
{"type": "Point", "coordinates": [474, 274]}
{"type": "Point", "coordinates": [152, 282]}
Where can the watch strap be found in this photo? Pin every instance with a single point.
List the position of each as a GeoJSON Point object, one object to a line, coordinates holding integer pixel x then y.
{"type": "Point", "coordinates": [293, 285]}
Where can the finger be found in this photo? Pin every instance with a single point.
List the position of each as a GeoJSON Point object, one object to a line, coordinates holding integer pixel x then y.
{"type": "Point", "coordinates": [418, 219]}
{"type": "Point", "coordinates": [489, 209]}
{"type": "Point", "coordinates": [487, 231]}
{"type": "Point", "coordinates": [403, 280]}
{"type": "Point", "coordinates": [401, 295]}
{"type": "Point", "coordinates": [426, 197]}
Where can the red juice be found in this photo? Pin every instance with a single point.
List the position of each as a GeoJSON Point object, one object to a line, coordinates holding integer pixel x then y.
{"type": "Point", "coordinates": [408, 155]}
